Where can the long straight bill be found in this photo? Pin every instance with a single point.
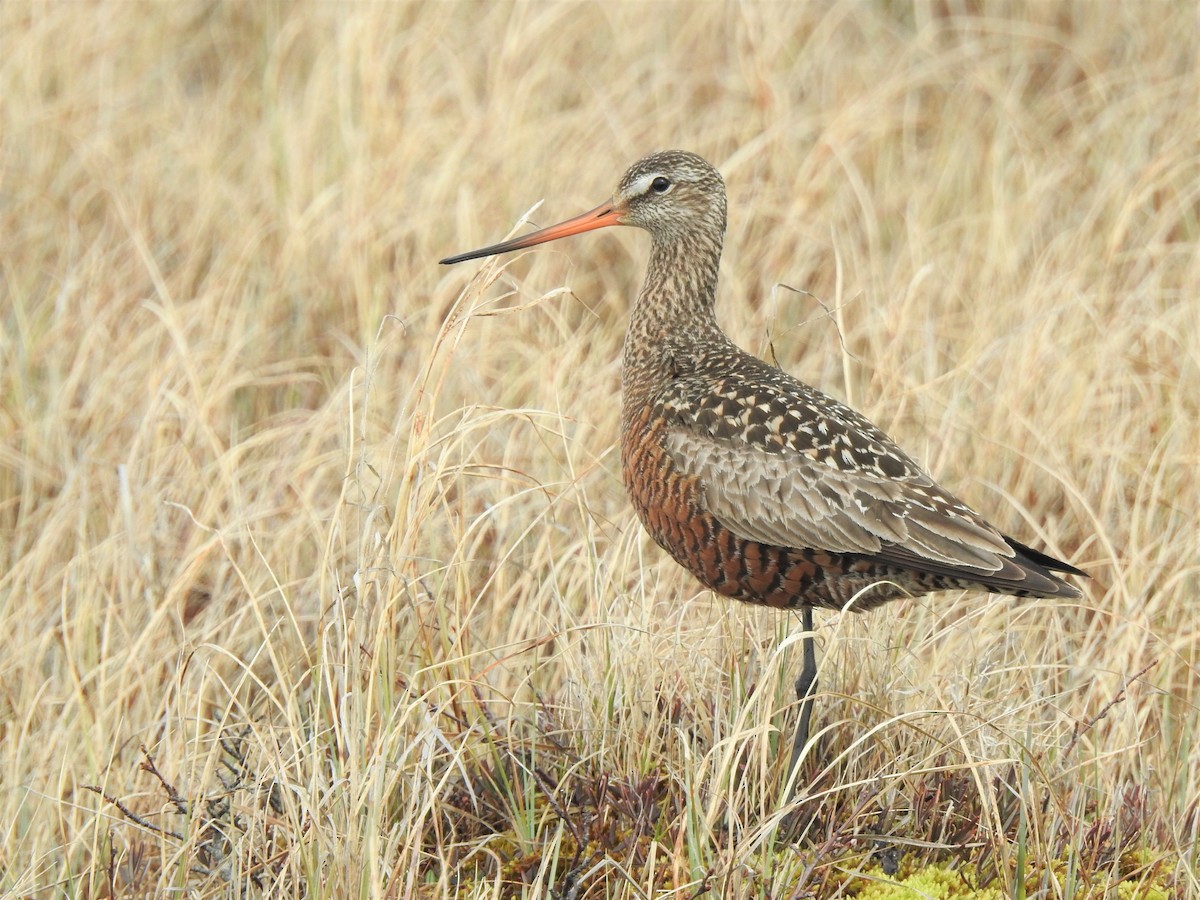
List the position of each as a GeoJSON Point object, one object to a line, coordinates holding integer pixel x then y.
{"type": "Point", "coordinates": [602, 216]}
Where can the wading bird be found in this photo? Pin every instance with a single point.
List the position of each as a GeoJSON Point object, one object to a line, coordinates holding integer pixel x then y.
{"type": "Point", "coordinates": [761, 486]}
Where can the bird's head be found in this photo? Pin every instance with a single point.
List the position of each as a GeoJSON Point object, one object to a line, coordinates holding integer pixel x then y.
{"type": "Point", "coordinates": [671, 194]}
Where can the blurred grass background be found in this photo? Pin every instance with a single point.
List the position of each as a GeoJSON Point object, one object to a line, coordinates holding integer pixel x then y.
{"type": "Point", "coordinates": [317, 575]}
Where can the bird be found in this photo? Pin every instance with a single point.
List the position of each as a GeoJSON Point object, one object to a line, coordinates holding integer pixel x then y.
{"type": "Point", "coordinates": [764, 488]}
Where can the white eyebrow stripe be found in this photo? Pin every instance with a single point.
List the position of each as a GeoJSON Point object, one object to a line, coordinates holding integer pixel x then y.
{"type": "Point", "coordinates": [642, 184]}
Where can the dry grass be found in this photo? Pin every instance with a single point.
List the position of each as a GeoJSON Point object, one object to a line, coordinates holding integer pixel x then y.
{"type": "Point", "coordinates": [337, 535]}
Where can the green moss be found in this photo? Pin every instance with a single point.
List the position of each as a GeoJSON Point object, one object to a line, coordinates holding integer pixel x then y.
{"type": "Point", "coordinates": [934, 880]}
{"type": "Point", "coordinates": [1128, 890]}
{"type": "Point", "coordinates": [1139, 880]}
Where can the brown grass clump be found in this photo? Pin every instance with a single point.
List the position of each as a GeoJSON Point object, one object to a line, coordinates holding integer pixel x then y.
{"type": "Point", "coordinates": [318, 579]}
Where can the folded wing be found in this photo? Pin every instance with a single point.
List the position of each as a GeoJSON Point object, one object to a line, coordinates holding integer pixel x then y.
{"type": "Point", "coordinates": [788, 483]}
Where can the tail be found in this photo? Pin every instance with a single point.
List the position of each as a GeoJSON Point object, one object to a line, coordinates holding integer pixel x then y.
{"type": "Point", "coordinates": [1027, 573]}
{"type": "Point", "coordinates": [1034, 562]}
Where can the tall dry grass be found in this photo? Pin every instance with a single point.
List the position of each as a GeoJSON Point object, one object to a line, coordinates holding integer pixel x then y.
{"type": "Point", "coordinates": [316, 563]}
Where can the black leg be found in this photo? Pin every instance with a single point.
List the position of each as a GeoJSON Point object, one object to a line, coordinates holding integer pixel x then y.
{"type": "Point", "coordinates": [806, 686]}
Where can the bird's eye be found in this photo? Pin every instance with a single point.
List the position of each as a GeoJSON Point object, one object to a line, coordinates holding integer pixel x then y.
{"type": "Point", "coordinates": [660, 185]}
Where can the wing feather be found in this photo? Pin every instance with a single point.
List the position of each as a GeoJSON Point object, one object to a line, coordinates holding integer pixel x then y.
{"type": "Point", "coordinates": [791, 499]}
